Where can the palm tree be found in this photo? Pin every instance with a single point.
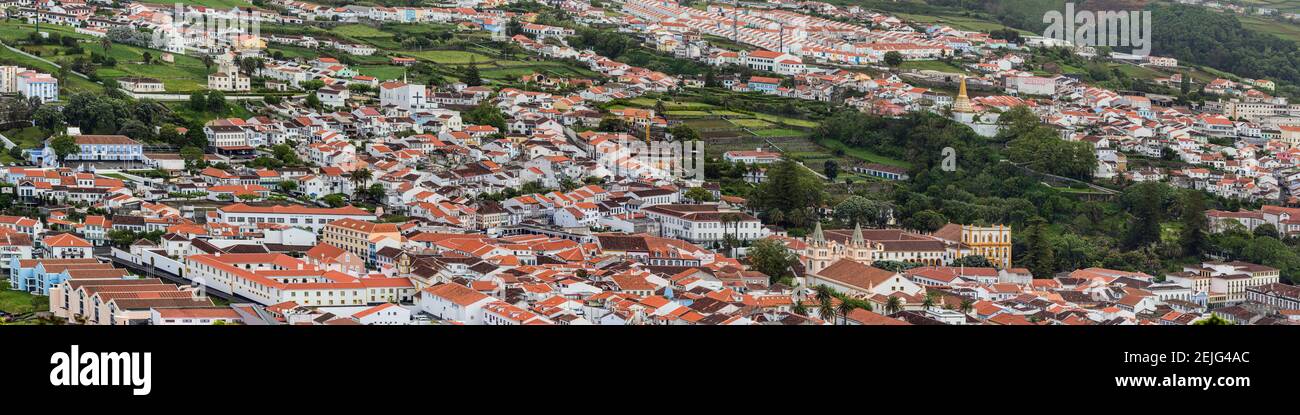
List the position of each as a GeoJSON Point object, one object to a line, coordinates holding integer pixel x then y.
{"type": "Point", "coordinates": [845, 308]}
{"type": "Point", "coordinates": [966, 306]}
{"type": "Point", "coordinates": [893, 305]}
{"type": "Point", "coordinates": [931, 298]}
{"type": "Point", "coordinates": [359, 179]}
{"type": "Point", "coordinates": [106, 43]}
{"type": "Point", "coordinates": [800, 309]}
{"type": "Point", "coordinates": [826, 302]}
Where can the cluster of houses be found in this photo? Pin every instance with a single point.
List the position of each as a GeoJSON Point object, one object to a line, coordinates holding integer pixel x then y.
{"type": "Point", "coordinates": [403, 212]}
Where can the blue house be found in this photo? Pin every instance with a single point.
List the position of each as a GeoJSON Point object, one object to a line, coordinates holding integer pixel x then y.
{"type": "Point", "coordinates": [38, 276]}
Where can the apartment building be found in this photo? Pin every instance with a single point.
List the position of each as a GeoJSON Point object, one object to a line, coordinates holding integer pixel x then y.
{"type": "Point", "coordinates": [361, 238]}
{"type": "Point", "coordinates": [704, 223]}
{"type": "Point", "coordinates": [312, 218]}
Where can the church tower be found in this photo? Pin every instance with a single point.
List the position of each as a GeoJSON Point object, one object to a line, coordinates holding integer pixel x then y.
{"type": "Point", "coordinates": [962, 103]}
{"type": "Point", "coordinates": [859, 250]}
{"type": "Point", "coordinates": [820, 252]}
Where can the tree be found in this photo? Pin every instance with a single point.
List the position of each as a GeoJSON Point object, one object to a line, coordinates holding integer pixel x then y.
{"type": "Point", "coordinates": [1145, 202]}
{"type": "Point", "coordinates": [217, 102]}
{"type": "Point", "coordinates": [1040, 257]}
{"type": "Point", "coordinates": [926, 221]}
{"type": "Point", "coordinates": [826, 303]}
{"type": "Point", "coordinates": [791, 188]}
{"type": "Point", "coordinates": [49, 119]}
{"type": "Point", "coordinates": [1042, 149]}
{"type": "Point", "coordinates": [893, 58]}
{"type": "Point", "coordinates": [486, 114]}
{"type": "Point", "coordinates": [699, 195]}
{"type": "Point", "coordinates": [313, 101]}
{"type": "Point", "coordinates": [976, 261]}
{"type": "Point", "coordinates": [207, 63]}
{"type": "Point", "coordinates": [287, 186]}
{"type": "Point", "coordinates": [771, 257]}
{"type": "Point", "coordinates": [683, 132]}
{"type": "Point", "coordinates": [893, 305]}
{"type": "Point", "coordinates": [831, 169]}
{"type": "Point", "coordinates": [64, 145]}
{"type": "Point", "coordinates": [359, 179]}
{"type": "Point", "coordinates": [1214, 320]}
{"type": "Point", "coordinates": [860, 210]}
{"type": "Point", "coordinates": [1265, 230]}
{"type": "Point", "coordinates": [845, 308]}
{"type": "Point", "coordinates": [471, 76]}
{"type": "Point", "coordinates": [193, 157]}
{"type": "Point", "coordinates": [334, 200]}
{"type": "Point", "coordinates": [198, 101]}
{"type": "Point", "coordinates": [1192, 238]}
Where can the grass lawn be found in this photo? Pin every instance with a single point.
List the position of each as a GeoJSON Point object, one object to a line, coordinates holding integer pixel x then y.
{"type": "Point", "coordinates": [726, 113]}
{"type": "Point", "coordinates": [1282, 30]}
{"type": "Point", "coordinates": [73, 84]}
{"type": "Point", "coordinates": [940, 66]}
{"type": "Point", "coordinates": [19, 302]}
{"type": "Point", "coordinates": [25, 138]}
{"type": "Point", "coordinates": [710, 125]}
{"type": "Point", "coordinates": [454, 57]}
{"type": "Point", "coordinates": [359, 30]}
{"type": "Point", "coordinates": [786, 120]}
{"type": "Point", "coordinates": [187, 74]}
{"type": "Point", "coordinates": [750, 123]}
{"type": "Point", "coordinates": [671, 105]}
{"type": "Point", "coordinates": [687, 113]}
{"type": "Point", "coordinates": [383, 72]}
{"type": "Point", "coordinates": [862, 153]}
{"type": "Point", "coordinates": [779, 132]}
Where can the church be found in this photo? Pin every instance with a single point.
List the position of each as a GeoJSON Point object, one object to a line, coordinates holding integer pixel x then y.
{"type": "Point", "coordinates": [963, 111]}
{"type": "Point", "coordinates": [824, 247]}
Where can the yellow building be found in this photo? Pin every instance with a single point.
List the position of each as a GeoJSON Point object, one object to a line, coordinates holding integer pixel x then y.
{"type": "Point", "coordinates": [360, 237]}
{"type": "Point", "coordinates": [991, 242]}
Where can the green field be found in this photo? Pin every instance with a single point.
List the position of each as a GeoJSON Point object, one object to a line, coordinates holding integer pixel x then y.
{"type": "Point", "coordinates": [452, 57]}
{"type": "Point", "coordinates": [786, 120]}
{"type": "Point", "coordinates": [957, 22]}
{"type": "Point", "coordinates": [359, 30]}
{"type": "Point", "coordinates": [862, 153]}
{"type": "Point", "coordinates": [779, 132]}
{"type": "Point", "coordinates": [1283, 30]}
{"type": "Point", "coordinates": [940, 66]}
{"type": "Point", "coordinates": [383, 72]}
{"type": "Point", "coordinates": [670, 105]}
{"type": "Point", "coordinates": [750, 123]}
{"type": "Point", "coordinates": [19, 302]}
{"type": "Point", "coordinates": [185, 75]}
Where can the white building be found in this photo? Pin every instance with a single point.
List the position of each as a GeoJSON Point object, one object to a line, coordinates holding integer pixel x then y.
{"type": "Point", "coordinates": [454, 302]}
{"type": "Point", "coordinates": [403, 95]}
{"type": "Point", "coordinates": [704, 223]}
